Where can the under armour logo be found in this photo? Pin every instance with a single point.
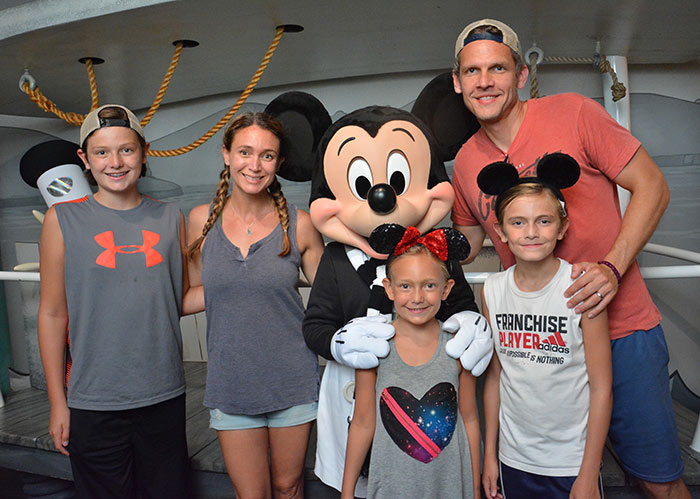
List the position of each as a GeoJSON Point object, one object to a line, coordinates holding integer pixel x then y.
{"type": "Point", "coordinates": [108, 258]}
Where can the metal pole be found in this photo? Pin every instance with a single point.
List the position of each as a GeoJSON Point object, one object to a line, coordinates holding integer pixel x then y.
{"type": "Point", "coordinates": [619, 110]}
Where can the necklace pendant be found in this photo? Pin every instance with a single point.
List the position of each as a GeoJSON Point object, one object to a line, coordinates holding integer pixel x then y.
{"type": "Point", "coordinates": [248, 231]}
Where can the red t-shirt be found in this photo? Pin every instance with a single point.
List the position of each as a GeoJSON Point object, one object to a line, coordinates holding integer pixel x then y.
{"type": "Point", "coordinates": [579, 127]}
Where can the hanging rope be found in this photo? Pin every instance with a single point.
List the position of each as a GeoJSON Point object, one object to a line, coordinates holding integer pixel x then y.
{"type": "Point", "coordinates": [93, 85]}
{"type": "Point", "coordinates": [234, 109]}
{"type": "Point", "coordinates": [534, 83]}
{"type": "Point", "coordinates": [76, 119]}
{"type": "Point", "coordinates": [164, 85]}
{"type": "Point", "coordinates": [618, 89]}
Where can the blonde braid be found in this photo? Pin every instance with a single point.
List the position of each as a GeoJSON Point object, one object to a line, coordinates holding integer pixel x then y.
{"type": "Point", "coordinates": [217, 206]}
{"type": "Point", "coordinates": [275, 190]}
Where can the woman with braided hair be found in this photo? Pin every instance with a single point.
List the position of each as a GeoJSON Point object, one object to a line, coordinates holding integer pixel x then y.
{"type": "Point", "coordinates": [245, 252]}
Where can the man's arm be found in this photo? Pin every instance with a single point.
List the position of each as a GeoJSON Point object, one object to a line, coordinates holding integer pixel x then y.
{"type": "Point", "coordinates": [475, 234]}
{"type": "Point", "coordinates": [650, 196]}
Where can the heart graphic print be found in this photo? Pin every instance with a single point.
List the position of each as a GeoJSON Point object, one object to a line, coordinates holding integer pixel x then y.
{"type": "Point", "coordinates": [420, 428]}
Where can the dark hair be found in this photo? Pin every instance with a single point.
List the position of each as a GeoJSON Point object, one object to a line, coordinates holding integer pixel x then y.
{"type": "Point", "coordinates": [112, 113]}
{"type": "Point", "coordinates": [492, 30]}
{"type": "Point", "coordinates": [266, 122]}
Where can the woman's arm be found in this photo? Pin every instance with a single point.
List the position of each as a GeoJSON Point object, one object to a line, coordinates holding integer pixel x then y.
{"type": "Point", "coordinates": [310, 245]}
{"type": "Point", "coordinates": [53, 326]}
{"type": "Point", "coordinates": [470, 416]}
{"type": "Point", "coordinates": [596, 344]}
{"type": "Point", "coordinates": [361, 431]}
{"type": "Point", "coordinates": [193, 300]}
{"type": "Point", "coordinates": [492, 405]}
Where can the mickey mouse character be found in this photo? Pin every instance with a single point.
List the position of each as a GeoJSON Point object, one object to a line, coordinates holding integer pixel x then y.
{"type": "Point", "coordinates": [374, 166]}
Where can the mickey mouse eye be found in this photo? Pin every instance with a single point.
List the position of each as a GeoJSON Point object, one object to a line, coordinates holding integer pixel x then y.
{"type": "Point", "coordinates": [398, 172]}
{"type": "Point", "coordinates": [360, 178]}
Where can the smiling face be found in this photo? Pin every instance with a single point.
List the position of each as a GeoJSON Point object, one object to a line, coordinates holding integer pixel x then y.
{"type": "Point", "coordinates": [254, 158]}
{"type": "Point", "coordinates": [115, 157]}
{"type": "Point", "coordinates": [417, 284]}
{"type": "Point", "coordinates": [488, 80]}
{"type": "Point", "coordinates": [531, 226]}
{"type": "Point", "coordinates": [377, 180]}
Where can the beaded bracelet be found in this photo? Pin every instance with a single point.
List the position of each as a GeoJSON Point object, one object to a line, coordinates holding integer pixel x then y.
{"type": "Point", "coordinates": [613, 268]}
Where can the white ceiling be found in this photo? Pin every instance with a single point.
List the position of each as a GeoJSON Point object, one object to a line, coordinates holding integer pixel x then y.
{"type": "Point", "coordinates": [340, 39]}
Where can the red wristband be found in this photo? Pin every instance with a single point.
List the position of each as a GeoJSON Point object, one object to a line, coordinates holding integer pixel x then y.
{"type": "Point", "coordinates": [614, 270]}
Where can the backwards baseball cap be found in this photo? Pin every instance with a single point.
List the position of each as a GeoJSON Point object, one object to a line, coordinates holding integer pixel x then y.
{"type": "Point", "coordinates": [93, 121]}
{"type": "Point", "coordinates": [507, 37]}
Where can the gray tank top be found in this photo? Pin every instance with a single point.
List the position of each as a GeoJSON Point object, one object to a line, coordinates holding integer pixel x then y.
{"type": "Point", "coordinates": [420, 446]}
{"type": "Point", "coordinates": [124, 289]}
{"type": "Point", "coordinates": [258, 360]}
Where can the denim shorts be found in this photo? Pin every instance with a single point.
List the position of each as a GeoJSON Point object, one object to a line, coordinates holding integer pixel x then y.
{"type": "Point", "coordinates": [643, 426]}
{"type": "Point", "coordinates": [292, 416]}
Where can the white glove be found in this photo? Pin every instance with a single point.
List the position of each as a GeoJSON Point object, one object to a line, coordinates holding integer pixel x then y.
{"type": "Point", "coordinates": [472, 344]}
{"type": "Point", "coordinates": [362, 341]}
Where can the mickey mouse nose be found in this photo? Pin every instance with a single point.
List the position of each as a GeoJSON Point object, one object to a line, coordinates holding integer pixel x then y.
{"type": "Point", "coordinates": [382, 198]}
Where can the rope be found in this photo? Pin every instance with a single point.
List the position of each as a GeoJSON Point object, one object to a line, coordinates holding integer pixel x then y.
{"type": "Point", "coordinates": [618, 89]}
{"type": "Point", "coordinates": [234, 109]}
{"type": "Point", "coordinates": [44, 103]}
{"type": "Point", "coordinates": [93, 85]}
{"type": "Point", "coordinates": [163, 86]}
{"type": "Point", "coordinates": [534, 84]}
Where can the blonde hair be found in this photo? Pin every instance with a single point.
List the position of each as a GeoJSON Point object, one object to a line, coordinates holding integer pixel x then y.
{"type": "Point", "coordinates": [418, 249]}
{"type": "Point", "coordinates": [527, 189]}
{"type": "Point", "coordinates": [266, 122]}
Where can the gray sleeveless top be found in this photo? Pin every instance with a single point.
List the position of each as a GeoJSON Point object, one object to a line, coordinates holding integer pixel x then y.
{"type": "Point", "coordinates": [123, 274]}
{"type": "Point", "coordinates": [420, 446]}
{"type": "Point", "coordinates": [258, 360]}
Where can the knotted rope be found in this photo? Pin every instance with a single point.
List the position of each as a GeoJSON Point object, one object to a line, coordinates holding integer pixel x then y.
{"type": "Point", "coordinates": [618, 89]}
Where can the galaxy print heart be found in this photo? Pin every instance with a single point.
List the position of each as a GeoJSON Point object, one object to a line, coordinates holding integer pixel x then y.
{"type": "Point", "coordinates": [420, 428]}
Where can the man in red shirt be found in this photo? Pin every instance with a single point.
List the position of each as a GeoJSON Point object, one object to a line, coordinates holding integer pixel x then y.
{"type": "Point", "coordinates": [601, 244]}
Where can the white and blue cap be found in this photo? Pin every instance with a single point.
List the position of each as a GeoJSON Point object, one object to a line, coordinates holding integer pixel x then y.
{"type": "Point", "coordinates": [507, 36]}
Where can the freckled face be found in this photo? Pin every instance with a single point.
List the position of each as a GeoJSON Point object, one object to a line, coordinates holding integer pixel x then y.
{"type": "Point", "coordinates": [354, 161]}
{"type": "Point", "coordinates": [115, 158]}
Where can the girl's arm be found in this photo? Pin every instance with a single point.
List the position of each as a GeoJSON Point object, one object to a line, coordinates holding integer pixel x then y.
{"type": "Point", "coordinates": [193, 300]}
{"type": "Point", "coordinates": [361, 430]}
{"type": "Point", "coordinates": [470, 416]}
{"type": "Point", "coordinates": [53, 326]}
{"type": "Point", "coordinates": [596, 344]}
{"type": "Point", "coordinates": [492, 405]}
{"type": "Point", "coordinates": [310, 245]}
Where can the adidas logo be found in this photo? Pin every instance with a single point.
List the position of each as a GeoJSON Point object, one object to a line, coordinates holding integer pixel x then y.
{"type": "Point", "coordinates": [554, 343]}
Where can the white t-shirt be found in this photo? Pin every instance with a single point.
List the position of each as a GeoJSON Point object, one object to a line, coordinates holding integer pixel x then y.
{"type": "Point", "coordinates": [544, 382]}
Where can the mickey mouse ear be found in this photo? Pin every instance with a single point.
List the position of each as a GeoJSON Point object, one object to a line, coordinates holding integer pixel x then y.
{"type": "Point", "coordinates": [558, 169]}
{"type": "Point", "coordinates": [304, 119]}
{"type": "Point", "coordinates": [444, 113]}
{"type": "Point", "coordinates": [384, 238]}
{"type": "Point", "coordinates": [42, 157]}
{"type": "Point", "coordinates": [458, 247]}
{"type": "Point", "coordinates": [497, 177]}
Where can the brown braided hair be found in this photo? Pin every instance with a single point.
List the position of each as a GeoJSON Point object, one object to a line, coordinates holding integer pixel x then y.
{"type": "Point", "coordinates": [266, 122]}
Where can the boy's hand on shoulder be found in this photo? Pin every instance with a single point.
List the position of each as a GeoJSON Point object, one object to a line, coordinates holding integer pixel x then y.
{"type": "Point", "coordinates": [585, 489]}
